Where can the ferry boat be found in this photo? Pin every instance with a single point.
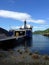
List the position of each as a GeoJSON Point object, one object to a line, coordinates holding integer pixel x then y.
{"type": "Point", "coordinates": [26, 30]}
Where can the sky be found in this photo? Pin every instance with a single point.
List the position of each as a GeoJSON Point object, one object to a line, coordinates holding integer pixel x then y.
{"type": "Point", "coordinates": [13, 13]}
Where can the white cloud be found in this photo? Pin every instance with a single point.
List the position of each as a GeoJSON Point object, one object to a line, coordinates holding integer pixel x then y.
{"type": "Point", "coordinates": [41, 26]}
{"type": "Point", "coordinates": [17, 27]}
{"type": "Point", "coordinates": [14, 27]}
{"type": "Point", "coordinates": [19, 16]}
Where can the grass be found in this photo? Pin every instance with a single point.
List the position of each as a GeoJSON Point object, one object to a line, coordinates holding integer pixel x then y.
{"type": "Point", "coordinates": [23, 63]}
{"type": "Point", "coordinates": [46, 57]}
{"type": "Point", "coordinates": [30, 53]}
{"type": "Point", "coordinates": [2, 55]}
{"type": "Point", "coordinates": [36, 52]}
{"type": "Point", "coordinates": [18, 50]}
{"type": "Point", "coordinates": [35, 58]}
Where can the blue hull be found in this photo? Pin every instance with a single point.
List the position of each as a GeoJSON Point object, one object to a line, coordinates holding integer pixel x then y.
{"type": "Point", "coordinates": [28, 33]}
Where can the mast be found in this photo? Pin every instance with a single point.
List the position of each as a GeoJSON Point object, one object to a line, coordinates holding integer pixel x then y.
{"type": "Point", "coordinates": [25, 24]}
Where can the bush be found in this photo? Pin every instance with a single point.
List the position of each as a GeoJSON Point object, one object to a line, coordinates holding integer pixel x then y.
{"type": "Point", "coordinates": [46, 57]}
{"type": "Point", "coordinates": [36, 52]}
{"type": "Point", "coordinates": [30, 53]}
{"type": "Point", "coordinates": [35, 56]}
{"type": "Point", "coordinates": [20, 52]}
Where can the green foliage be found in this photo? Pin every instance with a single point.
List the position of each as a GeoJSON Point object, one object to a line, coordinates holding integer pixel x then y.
{"type": "Point", "coordinates": [30, 53]}
{"type": "Point", "coordinates": [20, 52]}
{"type": "Point", "coordinates": [41, 32]}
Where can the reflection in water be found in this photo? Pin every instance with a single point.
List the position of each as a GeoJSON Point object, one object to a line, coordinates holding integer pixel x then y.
{"type": "Point", "coordinates": [28, 42]}
{"type": "Point", "coordinates": [10, 44]}
{"type": "Point", "coordinates": [25, 42]}
{"type": "Point", "coordinates": [37, 43]}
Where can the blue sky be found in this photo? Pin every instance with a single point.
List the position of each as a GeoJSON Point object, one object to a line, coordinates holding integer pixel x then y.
{"type": "Point", "coordinates": [14, 12]}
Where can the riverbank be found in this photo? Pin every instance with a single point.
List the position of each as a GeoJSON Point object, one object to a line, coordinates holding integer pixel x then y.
{"type": "Point", "coordinates": [22, 57]}
{"type": "Point", "coordinates": [46, 34]}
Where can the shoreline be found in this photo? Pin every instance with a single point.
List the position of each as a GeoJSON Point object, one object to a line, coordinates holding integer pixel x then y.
{"type": "Point", "coordinates": [22, 56]}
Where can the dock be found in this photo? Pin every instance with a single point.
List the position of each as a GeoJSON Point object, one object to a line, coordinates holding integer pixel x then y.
{"type": "Point", "coordinates": [11, 42]}
{"type": "Point", "coordinates": [12, 38]}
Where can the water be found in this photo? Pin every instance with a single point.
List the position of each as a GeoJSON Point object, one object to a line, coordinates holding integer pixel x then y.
{"type": "Point", "coordinates": [38, 43]}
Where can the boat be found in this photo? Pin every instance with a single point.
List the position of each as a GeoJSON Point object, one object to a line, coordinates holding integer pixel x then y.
{"type": "Point", "coordinates": [22, 31]}
{"type": "Point", "coordinates": [9, 39]}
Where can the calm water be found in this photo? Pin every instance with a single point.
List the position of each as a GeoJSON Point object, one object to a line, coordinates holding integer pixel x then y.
{"type": "Point", "coordinates": [38, 43]}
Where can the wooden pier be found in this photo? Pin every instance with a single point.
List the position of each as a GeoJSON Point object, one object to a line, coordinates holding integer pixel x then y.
{"type": "Point", "coordinates": [10, 42]}
{"type": "Point", "coordinates": [12, 38]}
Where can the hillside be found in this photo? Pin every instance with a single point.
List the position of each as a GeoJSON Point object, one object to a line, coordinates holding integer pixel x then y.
{"type": "Point", "coordinates": [3, 31]}
{"type": "Point", "coordinates": [41, 32]}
